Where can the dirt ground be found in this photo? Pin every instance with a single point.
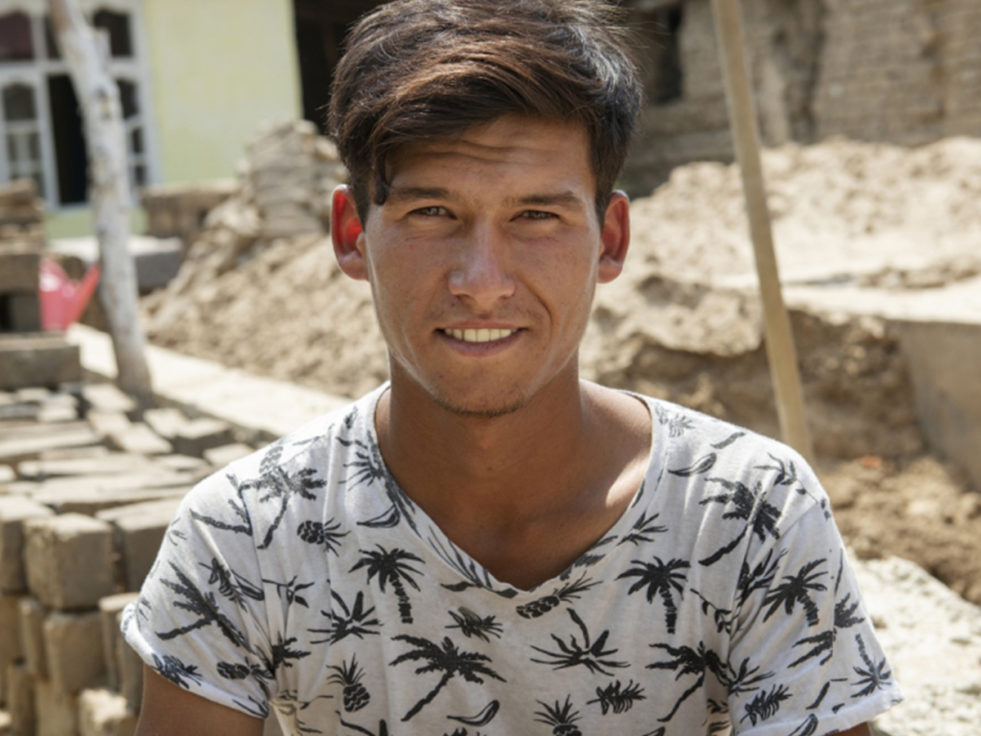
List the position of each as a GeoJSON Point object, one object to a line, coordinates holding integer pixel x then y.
{"type": "Point", "coordinates": [683, 323]}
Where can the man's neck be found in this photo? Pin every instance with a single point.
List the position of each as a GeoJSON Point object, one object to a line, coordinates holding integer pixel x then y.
{"type": "Point", "coordinates": [435, 452]}
{"type": "Point", "coordinates": [523, 493]}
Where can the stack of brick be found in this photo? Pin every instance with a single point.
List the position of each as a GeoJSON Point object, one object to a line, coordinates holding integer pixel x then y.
{"type": "Point", "coordinates": [290, 172]}
{"type": "Point", "coordinates": [21, 215]}
{"type": "Point", "coordinates": [80, 524]}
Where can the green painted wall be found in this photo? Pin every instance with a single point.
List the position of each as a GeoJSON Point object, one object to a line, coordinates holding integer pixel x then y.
{"type": "Point", "coordinates": [218, 70]}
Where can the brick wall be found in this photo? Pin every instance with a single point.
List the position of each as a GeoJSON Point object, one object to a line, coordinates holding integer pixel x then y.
{"type": "Point", "coordinates": [899, 71]}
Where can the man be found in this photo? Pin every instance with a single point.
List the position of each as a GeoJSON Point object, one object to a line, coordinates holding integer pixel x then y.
{"type": "Point", "coordinates": [488, 544]}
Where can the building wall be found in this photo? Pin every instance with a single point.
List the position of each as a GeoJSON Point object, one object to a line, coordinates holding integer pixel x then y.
{"type": "Point", "coordinates": [899, 71]}
{"type": "Point", "coordinates": [218, 70]}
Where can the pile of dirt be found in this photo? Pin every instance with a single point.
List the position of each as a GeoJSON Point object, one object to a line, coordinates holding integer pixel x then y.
{"type": "Point", "coordinates": [682, 323]}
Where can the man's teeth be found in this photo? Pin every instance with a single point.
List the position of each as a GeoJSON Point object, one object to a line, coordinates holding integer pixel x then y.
{"type": "Point", "coordinates": [479, 335]}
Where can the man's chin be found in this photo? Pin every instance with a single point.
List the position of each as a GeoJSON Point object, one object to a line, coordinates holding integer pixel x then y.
{"type": "Point", "coordinates": [488, 408]}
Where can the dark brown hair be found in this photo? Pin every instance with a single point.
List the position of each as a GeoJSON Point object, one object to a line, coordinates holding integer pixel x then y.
{"type": "Point", "coordinates": [422, 70]}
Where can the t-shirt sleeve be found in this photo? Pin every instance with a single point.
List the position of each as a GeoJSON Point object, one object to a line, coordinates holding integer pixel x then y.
{"type": "Point", "coordinates": [804, 657]}
{"type": "Point", "coordinates": [199, 618]}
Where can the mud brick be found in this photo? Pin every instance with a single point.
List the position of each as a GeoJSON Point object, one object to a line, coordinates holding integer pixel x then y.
{"type": "Point", "coordinates": [32, 615]}
{"type": "Point", "coordinates": [130, 670]}
{"type": "Point", "coordinates": [107, 423]}
{"type": "Point", "coordinates": [20, 699]}
{"type": "Point", "coordinates": [165, 421]}
{"type": "Point", "coordinates": [139, 530]}
{"type": "Point", "coordinates": [221, 456]}
{"type": "Point", "coordinates": [105, 464]}
{"type": "Point", "coordinates": [10, 649]}
{"type": "Point", "coordinates": [55, 713]}
{"type": "Point", "coordinates": [113, 643]}
{"type": "Point", "coordinates": [104, 713]}
{"type": "Point", "coordinates": [31, 445]}
{"type": "Point", "coordinates": [69, 560]}
{"type": "Point", "coordinates": [10, 644]}
{"type": "Point", "coordinates": [19, 272]}
{"type": "Point", "coordinates": [36, 359]}
{"type": "Point", "coordinates": [139, 439]}
{"type": "Point", "coordinates": [89, 496]}
{"type": "Point", "coordinates": [73, 642]}
{"type": "Point", "coordinates": [14, 511]}
{"type": "Point", "coordinates": [23, 311]}
{"type": "Point", "coordinates": [202, 434]}
{"type": "Point", "coordinates": [108, 397]}
{"type": "Point", "coordinates": [7, 474]}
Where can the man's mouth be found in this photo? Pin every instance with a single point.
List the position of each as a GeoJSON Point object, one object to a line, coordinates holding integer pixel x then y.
{"type": "Point", "coordinates": [479, 335]}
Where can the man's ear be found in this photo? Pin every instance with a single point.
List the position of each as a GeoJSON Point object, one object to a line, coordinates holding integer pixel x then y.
{"type": "Point", "coordinates": [347, 234]}
{"type": "Point", "coordinates": [615, 237]}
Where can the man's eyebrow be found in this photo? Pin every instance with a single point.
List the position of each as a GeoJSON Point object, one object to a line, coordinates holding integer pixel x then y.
{"type": "Point", "coordinates": [567, 199]}
{"type": "Point", "coordinates": [411, 193]}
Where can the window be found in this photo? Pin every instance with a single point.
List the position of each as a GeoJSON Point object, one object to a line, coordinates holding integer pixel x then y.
{"type": "Point", "coordinates": [41, 128]}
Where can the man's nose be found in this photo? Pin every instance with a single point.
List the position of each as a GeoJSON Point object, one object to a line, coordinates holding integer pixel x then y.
{"type": "Point", "coordinates": [482, 273]}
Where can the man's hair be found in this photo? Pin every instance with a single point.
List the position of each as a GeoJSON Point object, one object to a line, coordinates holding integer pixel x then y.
{"type": "Point", "coordinates": [417, 71]}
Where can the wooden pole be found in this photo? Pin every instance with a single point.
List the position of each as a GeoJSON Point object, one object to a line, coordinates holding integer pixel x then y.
{"type": "Point", "coordinates": [109, 192]}
{"type": "Point", "coordinates": [742, 119]}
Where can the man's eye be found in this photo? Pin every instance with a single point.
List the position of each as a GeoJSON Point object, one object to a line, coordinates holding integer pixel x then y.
{"type": "Point", "coordinates": [537, 215]}
{"type": "Point", "coordinates": [431, 211]}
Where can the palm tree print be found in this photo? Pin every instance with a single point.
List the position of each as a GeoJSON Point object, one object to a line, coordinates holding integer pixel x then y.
{"type": "Point", "coordinates": [202, 605]}
{"type": "Point", "coordinates": [617, 697]}
{"type": "Point", "coordinates": [742, 680]}
{"type": "Point", "coordinates": [282, 653]}
{"type": "Point", "coordinates": [175, 670]}
{"type": "Point", "coordinates": [473, 575]}
{"type": "Point", "coordinates": [748, 506]}
{"type": "Point", "coordinates": [873, 676]}
{"type": "Point", "coordinates": [760, 577]}
{"type": "Point", "coordinates": [823, 643]}
{"type": "Point", "coordinates": [766, 705]}
{"type": "Point", "coordinates": [660, 578]}
{"type": "Point", "coordinates": [446, 659]}
{"type": "Point", "coordinates": [232, 585]}
{"type": "Point", "coordinates": [369, 469]}
{"type": "Point", "coordinates": [688, 661]}
{"type": "Point", "coordinates": [643, 530]}
{"type": "Point", "coordinates": [290, 591]}
{"type": "Point", "coordinates": [391, 566]}
{"type": "Point", "coordinates": [472, 625]}
{"type": "Point", "coordinates": [355, 621]}
{"type": "Point", "coordinates": [281, 487]}
{"type": "Point", "coordinates": [587, 654]}
{"type": "Point", "coordinates": [795, 589]}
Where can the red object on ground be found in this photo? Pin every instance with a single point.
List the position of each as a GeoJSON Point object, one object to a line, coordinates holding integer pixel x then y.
{"type": "Point", "coordinates": [64, 300]}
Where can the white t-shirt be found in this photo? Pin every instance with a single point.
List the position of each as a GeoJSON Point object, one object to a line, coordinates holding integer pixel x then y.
{"type": "Point", "coordinates": [302, 579]}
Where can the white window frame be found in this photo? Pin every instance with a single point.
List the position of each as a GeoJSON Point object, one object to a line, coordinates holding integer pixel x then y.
{"type": "Point", "coordinates": [34, 73]}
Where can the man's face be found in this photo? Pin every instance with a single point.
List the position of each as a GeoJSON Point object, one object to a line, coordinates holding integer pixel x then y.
{"type": "Point", "coordinates": [483, 261]}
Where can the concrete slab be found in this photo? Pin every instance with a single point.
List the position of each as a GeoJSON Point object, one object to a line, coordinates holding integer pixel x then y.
{"type": "Point", "coordinates": [157, 260]}
{"type": "Point", "coordinates": [260, 408]}
{"type": "Point", "coordinates": [943, 359]}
